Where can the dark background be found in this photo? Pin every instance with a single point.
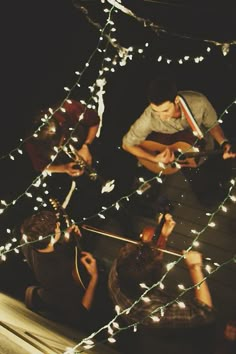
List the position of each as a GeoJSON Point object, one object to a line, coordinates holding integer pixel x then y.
{"type": "Point", "coordinates": [43, 43]}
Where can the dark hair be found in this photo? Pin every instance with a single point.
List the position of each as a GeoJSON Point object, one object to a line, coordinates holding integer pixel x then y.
{"type": "Point", "coordinates": [40, 224]}
{"type": "Point", "coordinates": [138, 264]}
{"type": "Point", "coordinates": [48, 129]}
{"type": "Point", "coordinates": [162, 89]}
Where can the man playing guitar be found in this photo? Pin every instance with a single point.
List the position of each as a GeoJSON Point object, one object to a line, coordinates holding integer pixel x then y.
{"type": "Point", "coordinates": [168, 115]}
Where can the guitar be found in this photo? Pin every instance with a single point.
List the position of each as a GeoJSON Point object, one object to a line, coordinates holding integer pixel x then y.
{"type": "Point", "coordinates": [181, 144]}
{"type": "Point", "coordinates": [79, 271]}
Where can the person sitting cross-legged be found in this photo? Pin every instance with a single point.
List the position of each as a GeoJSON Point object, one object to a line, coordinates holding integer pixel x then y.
{"type": "Point", "coordinates": [67, 286]}
{"type": "Point", "coordinates": [143, 264]}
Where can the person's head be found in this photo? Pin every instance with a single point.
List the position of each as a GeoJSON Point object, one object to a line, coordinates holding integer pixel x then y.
{"type": "Point", "coordinates": [48, 130]}
{"type": "Point", "coordinates": [163, 96]}
{"type": "Point", "coordinates": [39, 226]}
{"type": "Point", "coordinates": [138, 264]}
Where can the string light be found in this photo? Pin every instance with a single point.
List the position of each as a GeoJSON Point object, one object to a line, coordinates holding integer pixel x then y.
{"type": "Point", "coordinates": [88, 342]}
{"type": "Point", "coordinates": [152, 315]}
{"type": "Point", "coordinates": [103, 210]}
{"type": "Point", "coordinates": [225, 46]}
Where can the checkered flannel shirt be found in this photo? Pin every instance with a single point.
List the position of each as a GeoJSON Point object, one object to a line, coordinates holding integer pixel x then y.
{"type": "Point", "coordinates": [161, 305]}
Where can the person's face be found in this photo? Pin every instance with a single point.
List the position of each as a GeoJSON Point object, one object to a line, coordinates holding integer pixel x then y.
{"type": "Point", "coordinates": [167, 109]}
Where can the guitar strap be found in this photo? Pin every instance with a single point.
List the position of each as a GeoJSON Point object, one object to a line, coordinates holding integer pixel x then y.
{"type": "Point", "coordinates": [190, 118]}
{"type": "Point", "coordinates": [69, 195]}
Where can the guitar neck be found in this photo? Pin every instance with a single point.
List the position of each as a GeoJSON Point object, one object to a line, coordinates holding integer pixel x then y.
{"type": "Point", "coordinates": [198, 153]}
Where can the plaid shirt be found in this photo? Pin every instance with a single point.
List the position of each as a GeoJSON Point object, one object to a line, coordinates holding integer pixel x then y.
{"type": "Point", "coordinates": [171, 316]}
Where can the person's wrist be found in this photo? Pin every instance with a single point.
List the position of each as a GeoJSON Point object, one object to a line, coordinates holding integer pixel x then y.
{"type": "Point", "coordinates": [224, 143]}
{"type": "Point", "coordinates": [163, 236]}
{"type": "Point", "coordinates": [64, 168]}
{"type": "Point", "coordinates": [195, 267]}
{"type": "Point", "coordinates": [94, 279]}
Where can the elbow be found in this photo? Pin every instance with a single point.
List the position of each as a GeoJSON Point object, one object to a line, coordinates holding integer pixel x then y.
{"type": "Point", "coordinates": [125, 147]}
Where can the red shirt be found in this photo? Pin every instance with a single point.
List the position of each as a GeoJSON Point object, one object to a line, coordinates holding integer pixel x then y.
{"type": "Point", "coordinates": [78, 118]}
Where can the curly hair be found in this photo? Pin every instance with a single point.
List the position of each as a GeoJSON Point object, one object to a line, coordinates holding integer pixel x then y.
{"type": "Point", "coordinates": [138, 264]}
{"type": "Point", "coordinates": [40, 224]}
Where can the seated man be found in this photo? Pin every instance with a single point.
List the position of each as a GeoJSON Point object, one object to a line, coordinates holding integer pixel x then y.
{"type": "Point", "coordinates": [177, 121]}
{"type": "Point", "coordinates": [69, 136]}
{"type": "Point", "coordinates": [75, 125]}
{"type": "Point", "coordinates": [67, 287]}
{"type": "Point", "coordinates": [143, 263]}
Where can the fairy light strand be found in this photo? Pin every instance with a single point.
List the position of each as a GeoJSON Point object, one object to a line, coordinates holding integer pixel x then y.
{"type": "Point", "coordinates": [66, 89]}
{"type": "Point", "coordinates": [160, 282]}
{"type": "Point", "coordinates": [159, 309]}
{"type": "Point", "coordinates": [116, 205]}
{"type": "Point", "coordinates": [225, 46]}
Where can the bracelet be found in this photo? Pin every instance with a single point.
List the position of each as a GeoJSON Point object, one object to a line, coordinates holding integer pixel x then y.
{"type": "Point", "coordinates": [223, 143]}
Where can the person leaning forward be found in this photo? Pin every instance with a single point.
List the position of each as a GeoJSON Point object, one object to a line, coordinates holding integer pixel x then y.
{"type": "Point", "coordinates": [67, 286]}
{"type": "Point", "coordinates": [166, 117]}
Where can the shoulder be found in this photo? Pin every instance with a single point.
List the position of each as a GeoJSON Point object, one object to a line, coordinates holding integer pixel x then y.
{"type": "Point", "coordinates": [145, 115]}
{"type": "Point", "coordinates": [148, 111]}
{"type": "Point", "coordinates": [73, 105]}
{"type": "Point", "coordinates": [82, 112]}
{"type": "Point", "coordinates": [192, 95]}
{"type": "Point", "coordinates": [195, 98]}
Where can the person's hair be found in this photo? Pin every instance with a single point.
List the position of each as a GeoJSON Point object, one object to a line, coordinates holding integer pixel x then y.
{"type": "Point", "coordinates": [40, 224]}
{"type": "Point", "coordinates": [48, 135]}
{"type": "Point", "coordinates": [138, 264]}
{"type": "Point", "coordinates": [162, 89]}
{"type": "Point", "coordinates": [48, 129]}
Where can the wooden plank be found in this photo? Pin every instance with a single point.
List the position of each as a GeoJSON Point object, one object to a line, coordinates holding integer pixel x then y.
{"type": "Point", "coordinates": [36, 329]}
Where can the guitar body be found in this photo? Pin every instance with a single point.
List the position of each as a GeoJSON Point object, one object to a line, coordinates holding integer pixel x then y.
{"type": "Point", "coordinates": [180, 141]}
{"type": "Point", "coordinates": [79, 272]}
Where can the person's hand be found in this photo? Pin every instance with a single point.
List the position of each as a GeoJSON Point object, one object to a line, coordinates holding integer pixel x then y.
{"type": "Point", "coordinates": [193, 259]}
{"type": "Point", "coordinates": [168, 226]}
{"type": "Point", "coordinates": [166, 156]}
{"type": "Point", "coordinates": [85, 154]}
{"type": "Point", "coordinates": [90, 264]}
{"type": "Point", "coordinates": [72, 170]}
{"type": "Point", "coordinates": [149, 231]}
{"type": "Point", "coordinates": [227, 154]}
{"type": "Point", "coordinates": [75, 229]}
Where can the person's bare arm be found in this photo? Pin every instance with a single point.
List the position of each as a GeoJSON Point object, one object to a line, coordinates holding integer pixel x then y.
{"type": "Point", "coordinates": [84, 151]}
{"type": "Point", "coordinates": [166, 156]}
{"type": "Point", "coordinates": [149, 232]}
{"type": "Point", "coordinates": [90, 264]}
{"type": "Point", "coordinates": [219, 136]}
{"type": "Point", "coordinates": [193, 261]}
{"type": "Point", "coordinates": [68, 168]}
{"type": "Point", "coordinates": [166, 231]}
{"type": "Point", "coordinates": [91, 134]}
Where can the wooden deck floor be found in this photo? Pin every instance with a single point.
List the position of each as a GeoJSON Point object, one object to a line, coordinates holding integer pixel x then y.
{"type": "Point", "coordinates": [217, 243]}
